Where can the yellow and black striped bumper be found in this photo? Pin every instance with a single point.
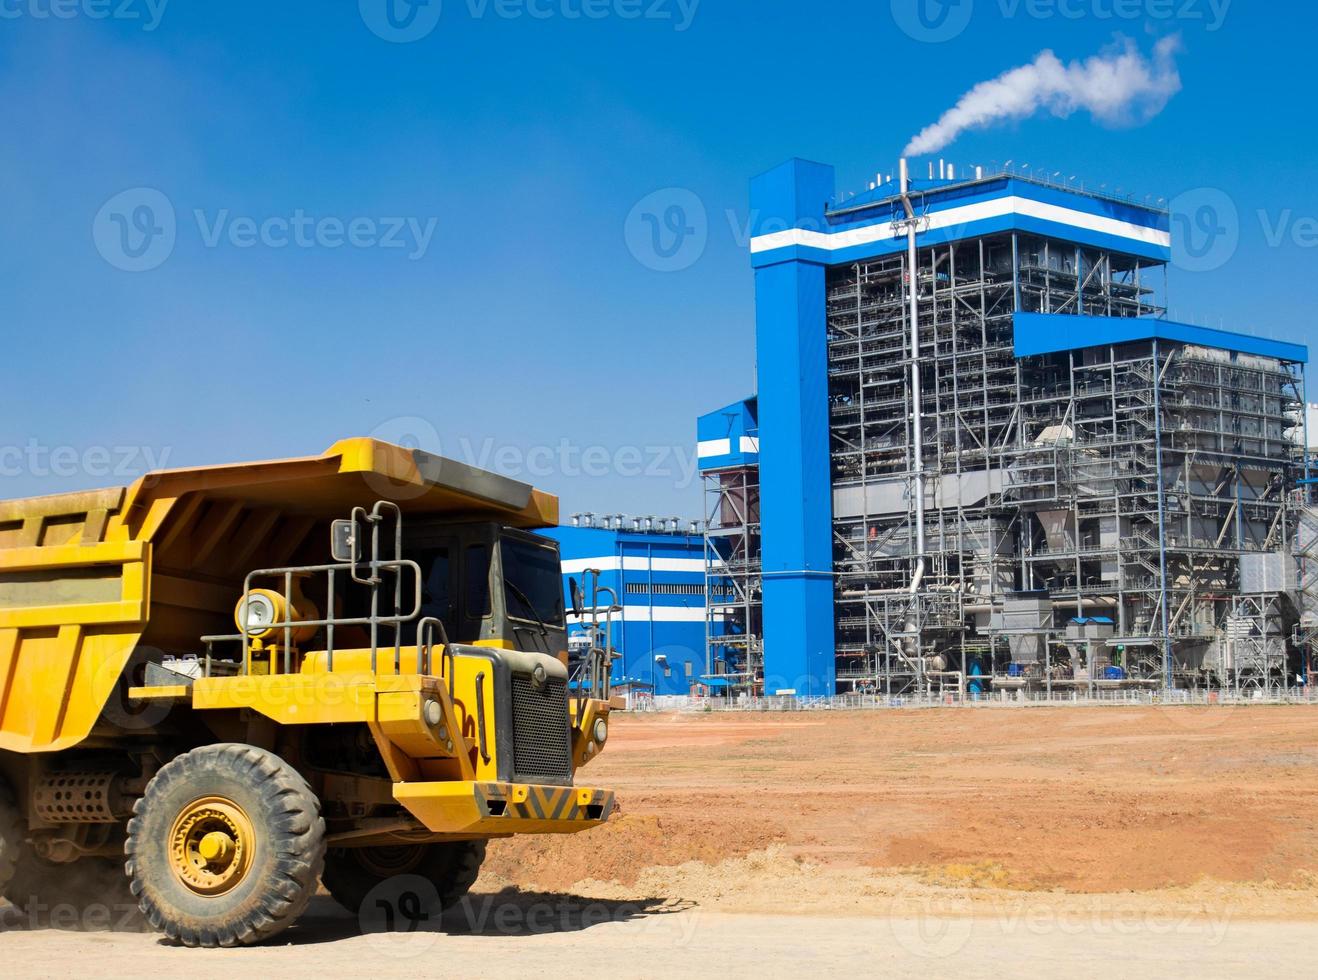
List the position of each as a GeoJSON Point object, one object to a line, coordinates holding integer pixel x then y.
{"type": "Point", "coordinates": [505, 808]}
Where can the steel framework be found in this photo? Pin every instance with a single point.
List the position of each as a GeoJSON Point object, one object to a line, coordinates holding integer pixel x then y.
{"type": "Point", "coordinates": [733, 630]}
{"type": "Point", "coordinates": [1143, 483]}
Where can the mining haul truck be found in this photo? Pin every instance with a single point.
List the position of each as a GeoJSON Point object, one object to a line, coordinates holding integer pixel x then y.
{"type": "Point", "coordinates": [222, 686]}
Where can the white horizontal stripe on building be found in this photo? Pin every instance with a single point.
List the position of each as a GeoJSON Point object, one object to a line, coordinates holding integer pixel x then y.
{"type": "Point", "coordinates": [750, 444]}
{"type": "Point", "coordinates": [655, 614]}
{"type": "Point", "coordinates": [713, 447]}
{"type": "Point", "coordinates": [979, 211]}
{"type": "Point", "coordinates": [631, 563]}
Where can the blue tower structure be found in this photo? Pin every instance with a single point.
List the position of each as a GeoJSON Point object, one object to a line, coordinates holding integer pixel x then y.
{"type": "Point", "coordinates": [975, 421]}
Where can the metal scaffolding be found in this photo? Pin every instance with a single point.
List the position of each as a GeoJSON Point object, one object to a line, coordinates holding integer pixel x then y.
{"type": "Point", "coordinates": [733, 624]}
{"type": "Point", "coordinates": [1143, 485]}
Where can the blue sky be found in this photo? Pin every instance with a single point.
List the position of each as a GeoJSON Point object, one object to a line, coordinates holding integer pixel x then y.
{"type": "Point", "coordinates": [503, 149]}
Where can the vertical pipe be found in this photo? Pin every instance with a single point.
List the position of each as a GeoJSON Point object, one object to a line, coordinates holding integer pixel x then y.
{"type": "Point", "coordinates": [917, 421]}
{"type": "Point", "coordinates": [1162, 518]}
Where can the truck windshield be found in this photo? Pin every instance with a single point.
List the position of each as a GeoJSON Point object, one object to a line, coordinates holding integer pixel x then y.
{"type": "Point", "coordinates": [534, 584]}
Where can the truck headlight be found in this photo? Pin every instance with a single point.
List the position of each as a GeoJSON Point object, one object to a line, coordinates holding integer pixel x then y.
{"type": "Point", "coordinates": [255, 613]}
{"type": "Point", "coordinates": [601, 731]}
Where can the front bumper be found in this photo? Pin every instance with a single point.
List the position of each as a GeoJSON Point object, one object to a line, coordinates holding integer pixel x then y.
{"type": "Point", "coordinates": [504, 808]}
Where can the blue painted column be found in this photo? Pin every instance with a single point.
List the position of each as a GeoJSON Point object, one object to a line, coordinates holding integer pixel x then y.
{"type": "Point", "coordinates": [796, 506]}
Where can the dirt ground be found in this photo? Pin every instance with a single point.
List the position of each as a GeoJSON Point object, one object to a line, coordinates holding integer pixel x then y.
{"type": "Point", "coordinates": [1044, 841]}
{"type": "Point", "coordinates": [1077, 800]}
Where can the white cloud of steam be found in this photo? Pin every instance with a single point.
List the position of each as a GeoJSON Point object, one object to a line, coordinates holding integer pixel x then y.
{"type": "Point", "coordinates": [1118, 87]}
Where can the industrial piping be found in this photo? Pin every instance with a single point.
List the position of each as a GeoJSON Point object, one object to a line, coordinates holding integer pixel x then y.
{"type": "Point", "coordinates": [917, 420]}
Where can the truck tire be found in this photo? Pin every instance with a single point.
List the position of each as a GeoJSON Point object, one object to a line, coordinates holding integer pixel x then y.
{"type": "Point", "coordinates": [225, 847]}
{"type": "Point", "coordinates": [351, 873]}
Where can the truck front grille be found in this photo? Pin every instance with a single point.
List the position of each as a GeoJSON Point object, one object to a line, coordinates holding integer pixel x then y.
{"type": "Point", "coordinates": [542, 734]}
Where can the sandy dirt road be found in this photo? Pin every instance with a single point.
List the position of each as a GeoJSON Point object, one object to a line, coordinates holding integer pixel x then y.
{"type": "Point", "coordinates": [696, 943]}
{"type": "Point", "coordinates": [1035, 842]}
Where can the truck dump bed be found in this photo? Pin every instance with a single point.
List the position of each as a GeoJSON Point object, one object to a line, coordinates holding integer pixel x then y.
{"type": "Point", "coordinates": [87, 577]}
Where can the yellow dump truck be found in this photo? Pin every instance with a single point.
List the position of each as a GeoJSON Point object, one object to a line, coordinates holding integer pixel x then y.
{"type": "Point", "coordinates": [251, 678]}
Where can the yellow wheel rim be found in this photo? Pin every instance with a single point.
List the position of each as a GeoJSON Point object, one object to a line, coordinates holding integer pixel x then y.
{"type": "Point", "coordinates": [211, 845]}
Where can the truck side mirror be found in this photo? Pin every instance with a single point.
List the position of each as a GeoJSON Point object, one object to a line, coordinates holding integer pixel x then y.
{"type": "Point", "coordinates": [577, 599]}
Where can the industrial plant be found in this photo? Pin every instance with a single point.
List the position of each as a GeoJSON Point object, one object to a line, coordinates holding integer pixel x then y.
{"type": "Point", "coordinates": [983, 458]}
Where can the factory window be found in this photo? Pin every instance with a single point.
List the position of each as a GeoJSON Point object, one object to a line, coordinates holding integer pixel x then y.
{"type": "Point", "coordinates": [671, 588]}
{"type": "Point", "coordinates": [687, 667]}
{"type": "Point", "coordinates": [636, 588]}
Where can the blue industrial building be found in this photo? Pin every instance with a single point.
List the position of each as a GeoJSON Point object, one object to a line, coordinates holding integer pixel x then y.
{"type": "Point", "coordinates": [976, 424]}
{"type": "Point", "coordinates": [657, 569]}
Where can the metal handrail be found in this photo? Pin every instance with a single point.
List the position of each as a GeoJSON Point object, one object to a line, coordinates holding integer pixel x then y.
{"type": "Point", "coordinates": [378, 568]}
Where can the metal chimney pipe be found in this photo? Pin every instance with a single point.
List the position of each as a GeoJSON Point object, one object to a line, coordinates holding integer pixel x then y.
{"type": "Point", "coordinates": [917, 419]}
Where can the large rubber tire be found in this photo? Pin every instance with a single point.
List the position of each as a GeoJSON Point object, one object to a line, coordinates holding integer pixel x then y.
{"type": "Point", "coordinates": [267, 880]}
{"type": "Point", "coordinates": [351, 873]}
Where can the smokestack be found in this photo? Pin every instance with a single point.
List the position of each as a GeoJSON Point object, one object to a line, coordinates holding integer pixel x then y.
{"type": "Point", "coordinates": [917, 420]}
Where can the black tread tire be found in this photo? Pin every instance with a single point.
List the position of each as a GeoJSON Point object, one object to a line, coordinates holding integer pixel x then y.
{"type": "Point", "coordinates": [288, 855]}
{"type": "Point", "coordinates": [451, 866]}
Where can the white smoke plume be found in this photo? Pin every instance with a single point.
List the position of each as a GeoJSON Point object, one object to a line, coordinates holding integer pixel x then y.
{"type": "Point", "coordinates": [1117, 87]}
